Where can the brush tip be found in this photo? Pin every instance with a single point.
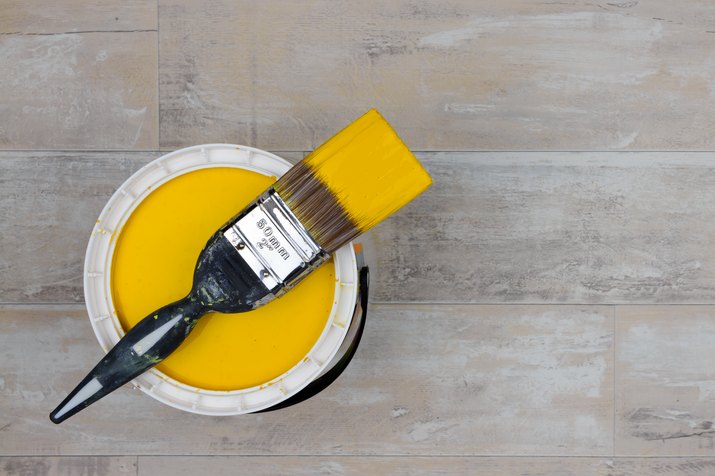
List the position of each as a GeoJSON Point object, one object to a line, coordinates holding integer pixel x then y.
{"type": "Point", "coordinates": [353, 181]}
{"type": "Point", "coordinates": [369, 169]}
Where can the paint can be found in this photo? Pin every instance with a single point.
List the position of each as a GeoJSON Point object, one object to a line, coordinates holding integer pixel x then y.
{"type": "Point", "coordinates": [326, 360]}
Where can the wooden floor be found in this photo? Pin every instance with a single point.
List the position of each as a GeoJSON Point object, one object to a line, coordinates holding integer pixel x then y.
{"type": "Point", "coordinates": [547, 308]}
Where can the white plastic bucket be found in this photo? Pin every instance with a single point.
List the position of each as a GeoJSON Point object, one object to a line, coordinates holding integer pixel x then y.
{"type": "Point", "coordinates": [101, 310]}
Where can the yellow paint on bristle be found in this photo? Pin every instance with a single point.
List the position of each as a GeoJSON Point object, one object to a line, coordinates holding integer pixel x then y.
{"type": "Point", "coordinates": [369, 170]}
{"type": "Point", "coordinates": [153, 265]}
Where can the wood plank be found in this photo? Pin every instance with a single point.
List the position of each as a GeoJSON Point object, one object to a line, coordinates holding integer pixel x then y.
{"type": "Point", "coordinates": [349, 465]}
{"type": "Point", "coordinates": [665, 387]}
{"type": "Point", "coordinates": [79, 91]}
{"type": "Point", "coordinates": [423, 465]}
{"type": "Point", "coordinates": [626, 227]}
{"type": "Point", "coordinates": [437, 380]}
{"type": "Point", "coordinates": [454, 75]}
{"type": "Point", "coordinates": [382, 465]}
{"type": "Point", "coordinates": [70, 16]}
{"type": "Point", "coordinates": [587, 227]}
{"type": "Point", "coordinates": [669, 466]}
{"type": "Point", "coordinates": [49, 202]}
{"type": "Point", "coordinates": [68, 465]}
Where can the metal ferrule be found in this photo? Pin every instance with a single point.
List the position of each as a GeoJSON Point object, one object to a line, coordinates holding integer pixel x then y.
{"type": "Point", "coordinates": [275, 245]}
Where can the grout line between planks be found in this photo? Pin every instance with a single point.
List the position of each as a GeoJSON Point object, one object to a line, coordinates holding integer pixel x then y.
{"type": "Point", "coordinates": [417, 151]}
{"type": "Point", "coordinates": [161, 150]}
{"type": "Point", "coordinates": [10, 304]}
{"type": "Point", "coordinates": [80, 32]}
{"type": "Point", "coordinates": [613, 382]}
{"type": "Point", "coordinates": [518, 303]}
{"type": "Point", "coordinates": [358, 455]}
{"type": "Point", "coordinates": [158, 78]}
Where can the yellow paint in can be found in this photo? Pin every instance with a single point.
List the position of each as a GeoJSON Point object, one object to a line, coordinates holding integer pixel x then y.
{"type": "Point", "coordinates": [153, 264]}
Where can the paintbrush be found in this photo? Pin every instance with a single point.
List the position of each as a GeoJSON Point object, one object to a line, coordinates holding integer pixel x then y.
{"type": "Point", "coordinates": [356, 179]}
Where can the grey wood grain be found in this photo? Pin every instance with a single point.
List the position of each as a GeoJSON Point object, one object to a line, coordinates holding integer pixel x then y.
{"type": "Point", "coordinates": [49, 202]}
{"type": "Point", "coordinates": [351, 465]}
{"type": "Point", "coordinates": [667, 466]}
{"type": "Point", "coordinates": [587, 227]}
{"type": "Point", "coordinates": [72, 16]}
{"type": "Point", "coordinates": [454, 75]}
{"type": "Point", "coordinates": [590, 227]}
{"type": "Point", "coordinates": [68, 465]}
{"type": "Point", "coordinates": [665, 384]}
{"type": "Point", "coordinates": [424, 465]}
{"type": "Point", "coordinates": [436, 380]}
{"type": "Point", "coordinates": [381, 465]}
{"type": "Point", "coordinates": [95, 90]}
{"type": "Point", "coordinates": [433, 384]}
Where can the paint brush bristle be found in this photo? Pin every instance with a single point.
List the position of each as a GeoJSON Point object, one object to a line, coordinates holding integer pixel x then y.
{"type": "Point", "coordinates": [353, 181]}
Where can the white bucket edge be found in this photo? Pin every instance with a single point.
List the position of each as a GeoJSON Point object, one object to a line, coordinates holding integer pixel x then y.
{"type": "Point", "coordinates": [106, 326]}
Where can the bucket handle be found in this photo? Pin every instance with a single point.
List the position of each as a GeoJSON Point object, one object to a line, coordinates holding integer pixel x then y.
{"type": "Point", "coordinates": [327, 378]}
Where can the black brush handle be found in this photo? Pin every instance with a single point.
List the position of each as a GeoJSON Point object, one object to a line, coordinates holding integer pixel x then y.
{"type": "Point", "coordinates": [146, 344]}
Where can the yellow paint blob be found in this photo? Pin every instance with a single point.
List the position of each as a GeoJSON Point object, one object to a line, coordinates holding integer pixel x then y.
{"type": "Point", "coordinates": [369, 169]}
{"type": "Point", "coordinates": [153, 265]}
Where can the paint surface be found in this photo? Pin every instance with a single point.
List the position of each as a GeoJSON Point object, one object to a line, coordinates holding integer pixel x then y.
{"type": "Point", "coordinates": [153, 265]}
{"type": "Point", "coordinates": [369, 170]}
